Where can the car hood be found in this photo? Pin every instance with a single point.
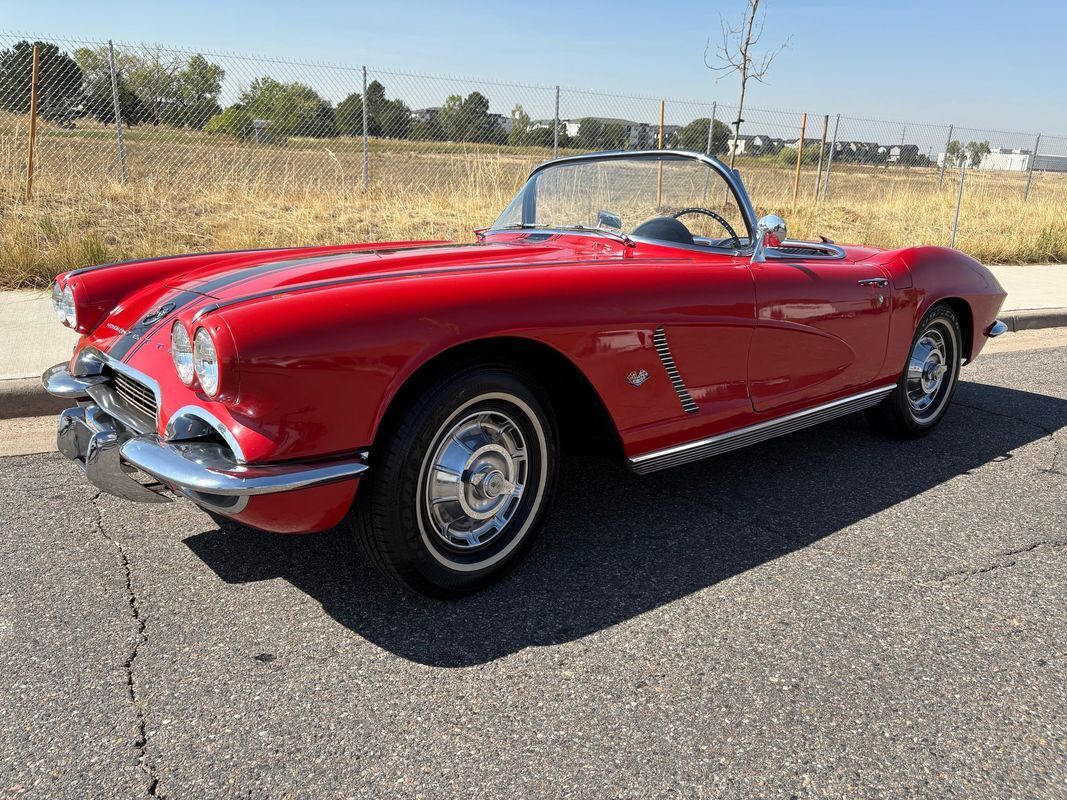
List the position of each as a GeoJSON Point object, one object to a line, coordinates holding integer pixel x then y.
{"type": "Point", "coordinates": [229, 276]}
{"type": "Point", "coordinates": [226, 280]}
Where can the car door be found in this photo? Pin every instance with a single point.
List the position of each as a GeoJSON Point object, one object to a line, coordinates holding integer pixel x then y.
{"type": "Point", "coordinates": [821, 329]}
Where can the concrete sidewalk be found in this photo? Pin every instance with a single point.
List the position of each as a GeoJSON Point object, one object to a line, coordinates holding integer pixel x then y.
{"type": "Point", "coordinates": [33, 339]}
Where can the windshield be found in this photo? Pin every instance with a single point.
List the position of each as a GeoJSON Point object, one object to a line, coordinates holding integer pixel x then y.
{"type": "Point", "coordinates": [673, 198]}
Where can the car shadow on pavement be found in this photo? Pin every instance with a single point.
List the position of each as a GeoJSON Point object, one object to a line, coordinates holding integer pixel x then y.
{"type": "Point", "coordinates": [616, 545]}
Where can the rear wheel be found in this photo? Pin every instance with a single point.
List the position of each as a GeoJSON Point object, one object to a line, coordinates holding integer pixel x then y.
{"type": "Point", "coordinates": [929, 380]}
{"type": "Point", "coordinates": [459, 483]}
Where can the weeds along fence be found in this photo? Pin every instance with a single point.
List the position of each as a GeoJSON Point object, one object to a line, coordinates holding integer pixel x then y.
{"type": "Point", "coordinates": [112, 150]}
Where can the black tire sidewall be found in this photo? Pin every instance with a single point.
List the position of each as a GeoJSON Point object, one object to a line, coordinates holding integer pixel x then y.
{"type": "Point", "coordinates": [420, 559]}
{"type": "Point", "coordinates": [944, 315]}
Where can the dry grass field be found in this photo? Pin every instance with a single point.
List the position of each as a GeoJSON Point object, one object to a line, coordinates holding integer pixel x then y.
{"type": "Point", "coordinates": [192, 191]}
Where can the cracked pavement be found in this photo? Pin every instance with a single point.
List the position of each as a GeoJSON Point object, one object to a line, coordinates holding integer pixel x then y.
{"type": "Point", "coordinates": [830, 614]}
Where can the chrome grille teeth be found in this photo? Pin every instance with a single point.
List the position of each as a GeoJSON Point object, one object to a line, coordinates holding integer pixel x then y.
{"type": "Point", "coordinates": [135, 394]}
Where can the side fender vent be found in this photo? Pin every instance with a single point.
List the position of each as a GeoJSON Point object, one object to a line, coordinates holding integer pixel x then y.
{"type": "Point", "coordinates": [663, 350]}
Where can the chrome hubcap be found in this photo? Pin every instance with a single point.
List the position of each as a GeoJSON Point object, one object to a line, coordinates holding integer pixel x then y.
{"type": "Point", "coordinates": [927, 368]}
{"type": "Point", "coordinates": [475, 479]}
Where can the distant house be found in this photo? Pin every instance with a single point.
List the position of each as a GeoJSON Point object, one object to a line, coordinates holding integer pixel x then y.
{"type": "Point", "coordinates": [854, 152]}
{"type": "Point", "coordinates": [425, 114]}
{"type": "Point", "coordinates": [502, 121]}
{"type": "Point", "coordinates": [903, 154]}
{"type": "Point", "coordinates": [742, 144]}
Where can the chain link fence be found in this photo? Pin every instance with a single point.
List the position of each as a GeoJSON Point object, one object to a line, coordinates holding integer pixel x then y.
{"type": "Point", "coordinates": [80, 118]}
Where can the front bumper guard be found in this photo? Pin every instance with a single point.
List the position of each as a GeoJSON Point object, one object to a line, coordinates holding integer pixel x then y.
{"type": "Point", "coordinates": [112, 454]}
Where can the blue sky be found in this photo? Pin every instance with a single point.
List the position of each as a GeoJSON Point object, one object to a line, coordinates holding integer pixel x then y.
{"type": "Point", "coordinates": [977, 63]}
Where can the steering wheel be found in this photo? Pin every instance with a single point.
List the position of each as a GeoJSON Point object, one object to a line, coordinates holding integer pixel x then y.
{"type": "Point", "coordinates": [709, 213]}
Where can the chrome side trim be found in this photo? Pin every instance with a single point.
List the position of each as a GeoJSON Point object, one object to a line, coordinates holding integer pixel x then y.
{"type": "Point", "coordinates": [819, 251]}
{"type": "Point", "coordinates": [996, 329]}
{"type": "Point", "coordinates": [753, 434]}
{"type": "Point", "coordinates": [663, 350]}
{"type": "Point", "coordinates": [204, 467]}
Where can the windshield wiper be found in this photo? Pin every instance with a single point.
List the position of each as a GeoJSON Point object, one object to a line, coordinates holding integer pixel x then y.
{"type": "Point", "coordinates": [618, 236]}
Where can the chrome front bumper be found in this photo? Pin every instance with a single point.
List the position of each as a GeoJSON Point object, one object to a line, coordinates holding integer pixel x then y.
{"type": "Point", "coordinates": [141, 466]}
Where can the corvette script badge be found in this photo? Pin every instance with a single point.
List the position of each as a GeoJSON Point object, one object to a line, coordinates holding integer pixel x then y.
{"type": "Point", "coordinates": [637, 377]}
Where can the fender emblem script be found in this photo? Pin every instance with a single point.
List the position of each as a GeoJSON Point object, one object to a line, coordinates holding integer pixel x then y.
{"type": "Point", "coordinates": [637, 377]}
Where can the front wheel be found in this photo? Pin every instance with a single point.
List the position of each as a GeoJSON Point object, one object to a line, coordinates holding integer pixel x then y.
{"type": "Point", "coordinates": [929, 380]}
{"type": "Point", "coordinates": [459, 483]}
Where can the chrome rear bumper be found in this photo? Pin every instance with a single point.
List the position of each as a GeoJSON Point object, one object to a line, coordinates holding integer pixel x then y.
{"type": "Point", "coordinates": [141, 466]}
{"type": "Point", "coordinates": [996, 329]}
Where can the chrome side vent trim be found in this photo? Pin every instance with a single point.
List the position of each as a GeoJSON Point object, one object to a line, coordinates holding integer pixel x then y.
{"type": "Point", "coordinates": [663, 350]}
{"type": "Point", "coordinates": [753, 434]}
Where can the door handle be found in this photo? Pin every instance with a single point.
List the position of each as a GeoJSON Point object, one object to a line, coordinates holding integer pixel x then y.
{"type": "Point", "coordinates": [873, 282]}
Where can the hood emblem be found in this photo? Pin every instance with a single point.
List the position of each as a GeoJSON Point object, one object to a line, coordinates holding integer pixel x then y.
{"type": "Point", "coordinates": [637, 377]}
{"type": "Point", "coordinates": [158, 314]}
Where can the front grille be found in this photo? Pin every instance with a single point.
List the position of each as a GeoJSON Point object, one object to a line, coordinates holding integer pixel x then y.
{"type": "Point", "coordinates": [134, 394]}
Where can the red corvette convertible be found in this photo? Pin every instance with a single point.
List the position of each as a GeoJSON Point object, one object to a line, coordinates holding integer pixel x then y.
{"type": "Point", "coordinates": [420, 391]}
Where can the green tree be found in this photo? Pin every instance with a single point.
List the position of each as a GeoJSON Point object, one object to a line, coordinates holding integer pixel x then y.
{"type": "Point", "coordinates": [954, 153]}
{"type": "Point", "coordinates": [468, 120]}
{"type": "Point", "coordinates": [428, 130]}
{"type": "Point", "coordinates": [596, 134]}
{"type": "Point", "coordinates": [384, 117]}
{"type": "Point", "coordinates": [975, 152]}
{"type": "Point", "coordinates": [542, 137]}
{"type": "Point", "coordinates": [153, 77]}
{"type": "Point", "coordinates": [199, 84]}
{"type": "Point", "coordinates": [235, 121]}
{"type": "Point", "coordinates": [290, 109]}
{"type": "Point", "coordinates": [694, 136]}
{"type": "Point", "coordinates": [520, 127]}
{"type": "Point", "coordinates": [788, 155]}
{"type": "Point", "coordinates": [590, 134]}
{"type": "Point", "coordinates": [60, 80]}
{"type": "Point", "coordinates": [98, 102]}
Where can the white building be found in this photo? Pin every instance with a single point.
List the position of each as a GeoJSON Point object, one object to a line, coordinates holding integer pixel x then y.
{"type": "Point", "coordinates": [1017, 161]}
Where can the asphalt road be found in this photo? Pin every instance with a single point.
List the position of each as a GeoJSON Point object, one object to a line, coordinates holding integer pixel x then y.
{"type": "Point", "coordinates": [827, 615]}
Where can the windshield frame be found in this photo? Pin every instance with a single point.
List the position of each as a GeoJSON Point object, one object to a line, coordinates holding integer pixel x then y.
{"type": "Point", "coordinates": [730, 176]}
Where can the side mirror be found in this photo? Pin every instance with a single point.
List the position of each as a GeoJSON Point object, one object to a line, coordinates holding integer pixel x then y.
{"type": "Point", "coordinates": [605, 219]}
{"type": "Point", "coordinates": [770, 232]}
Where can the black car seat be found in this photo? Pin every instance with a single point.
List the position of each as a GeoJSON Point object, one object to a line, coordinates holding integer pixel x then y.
{"type": "Point", "coordinates": [665, 229]}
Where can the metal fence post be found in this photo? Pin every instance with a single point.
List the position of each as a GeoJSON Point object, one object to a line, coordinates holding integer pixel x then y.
{"type": "Point", "coordinates": [118, 112]}
{"type": "Point", "coordinates": [830, 159]}
{"type": "Point", "coordinates": [366, 145]}
{"type": "Point", "coordinates": [711, 126]}
{"type": "Point", "coordinates": [34, 75]}
{"type": "Point", "coordinates": [800, 156]}
{"type": "Point", "coordinates": [959, 200]}
{"type": "Point", "coordinates": [822, 155]}
{"type": "Point", "coordinates": [555, 128]}
{"type": "Point", "coordinates": [944, 161]}
{"type": "Point", "coordinates": [1030, 174]}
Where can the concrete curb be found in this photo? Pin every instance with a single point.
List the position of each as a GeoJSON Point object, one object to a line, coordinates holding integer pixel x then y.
{"type": "Point", "coordinates": [1028, 319]}
{"type": "Point", "coordinates": [25, 397]}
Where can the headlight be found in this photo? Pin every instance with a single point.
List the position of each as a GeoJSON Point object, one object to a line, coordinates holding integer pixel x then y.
{"type": "Point", "coordinates": [63, 303]}
{"type": "Point", "coordinates": [205, 362]}
{"type": "Point", "coordinates": [181, 350]}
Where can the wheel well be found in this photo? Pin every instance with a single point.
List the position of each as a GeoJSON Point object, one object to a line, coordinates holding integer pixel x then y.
{"type": "Point", "coordinates": [584, 422]}
{"type": "Point", "coordinates": [966, 318]}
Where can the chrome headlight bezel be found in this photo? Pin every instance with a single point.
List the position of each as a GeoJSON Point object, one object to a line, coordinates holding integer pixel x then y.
{"type": "Point", "coordinates": [181, 352]}
{"type": "Point", "coordinates": [63, 304]}
{"type": "Point", "coordinates": [206, 362]}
